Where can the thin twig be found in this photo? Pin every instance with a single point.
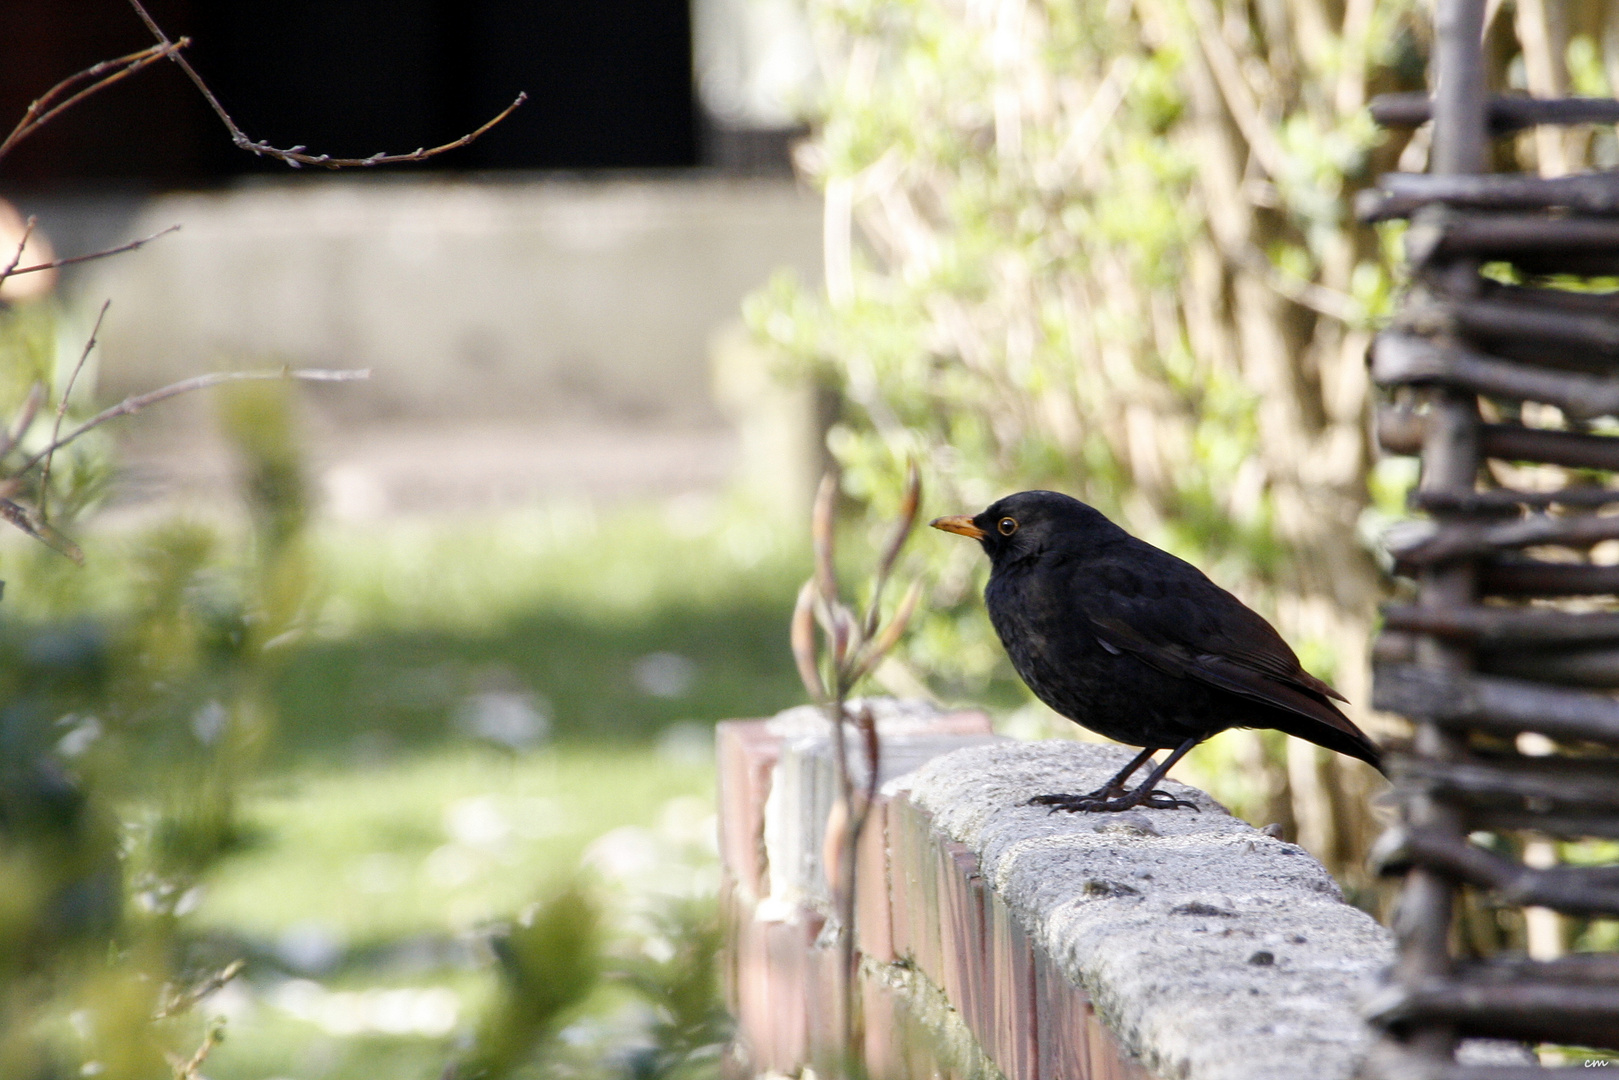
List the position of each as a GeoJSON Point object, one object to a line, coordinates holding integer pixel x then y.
{"type": "Point", "coordinates": [902, 529]}
{"type": "Point", "coordinates": [1318, 298]}
{"type": "Point", "coordinates": [190, 1068]}
{"type": "Point", "coordinates": [119, 250]}
{"type": "Point", "coordinates": [803, 641]}
{"type": "Point", "coordinates": [1234, 89]}
{"type": "Point", "coordinates": [297, 156]}
{"type": "Point", "coordinates": [61, 411]}
{"type": "Point", "coordinates": [185, 386]}
{"type": "Point", "coordinates": [821, 530]}
{"type": "Point", "coordinates": [41, 111]}
{"type": "Point", "coordinates": [10, 437]}
{"type": "Point", "coordinates": [20, 516]}
{"type": "Point", "coordinates": [22, 245]}
{"type": "Point", "coordinates": [882, 643]}
{"type": "Point", "coordinates": [183, 1002]}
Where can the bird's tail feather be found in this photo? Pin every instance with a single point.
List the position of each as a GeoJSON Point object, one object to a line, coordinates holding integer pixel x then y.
{"type": "Point", "coordinates": [1352, 742]}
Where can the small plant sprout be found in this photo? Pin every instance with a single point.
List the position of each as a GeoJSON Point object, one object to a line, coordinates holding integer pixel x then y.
{"type": "Point", "coordinates": [850, 647]}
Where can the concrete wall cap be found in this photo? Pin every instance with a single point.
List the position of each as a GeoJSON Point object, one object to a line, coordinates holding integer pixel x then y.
{"type": "Point", "coordinates": [1213, 951]}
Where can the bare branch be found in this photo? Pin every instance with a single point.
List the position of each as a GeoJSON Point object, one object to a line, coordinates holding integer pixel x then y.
{"type": "Point", "coordinates": [46, 108]}
{"type": "Point", "coordinates": [884, 642]}
{"type": "Point", "coordinates": [297, 156]}
{"type": "Point", "coordinates": [191, 1068]}
{"type": "Point", "coordinates": [10, 437]}
{"type": "Point", "coordinates": [182, 1002]}
{"type": "Point", "coordinates": [185, 386]}
{"type": "Point", "coordinates": [822, 526]}
{"type": "Point", "coordinates": [909, 506]}
{"type": "Point", "coordinates": [866, 722]}
{"type": "Point", "coordinates": [1318, 298]}
{"type": "Point", "coordinates": [855, 648]}
{"type": "Point", "coordinates": [803, 639]}
{"type": "Point", "coordinates": [1234, 89]}
{"type": "Point", "coordinates": [61, 411]}
{"type": "Point", "coordinates": [841, 636]}
{"type": "Point", "coordinates": [22, 245]}
{"type": "Point", "coordinates": [19, 515]}
{"type": "Point", "coordinates": [119, 250]}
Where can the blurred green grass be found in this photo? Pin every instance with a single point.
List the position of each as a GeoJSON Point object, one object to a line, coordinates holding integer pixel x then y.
{"type": "Point", "coordinates": [435, 845]}
{"type": "Point", "coordinates": [362, 884]}
{"type": "Point", "coordinates": [482, 706]}
{"type": "Point", "coordinates": [615, 626]}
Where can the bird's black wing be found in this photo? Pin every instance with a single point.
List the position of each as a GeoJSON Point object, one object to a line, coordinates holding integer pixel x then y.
{"type": "Point", "coordinates": [1167, 614]}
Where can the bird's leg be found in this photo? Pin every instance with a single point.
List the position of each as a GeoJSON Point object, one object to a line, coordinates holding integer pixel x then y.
{"type": "Point", "coordinates": [1110, 790]}
{"type": "Point", "coordinates": [1145, 793]}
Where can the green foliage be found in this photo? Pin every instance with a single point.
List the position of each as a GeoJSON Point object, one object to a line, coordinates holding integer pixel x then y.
{"type": "Point", "coordinates": [549, 961]}
{"type": "Point", "coordinates": [406, 865]}
{"type": "Point", "coordinates": [125, 739]}
{"type": "Point", "coordinates": [680, 977]}
{"type": "Point", "coordinates": [1106, 248]}
{"type": "Point", "coordinates": [951, 346]}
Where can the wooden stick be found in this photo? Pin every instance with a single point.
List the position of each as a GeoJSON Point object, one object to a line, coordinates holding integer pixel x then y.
{"type": "Point", "coordinates": [1400, 359]}
{"type": "Point", "coordinates": [1566, 888]}
{"type": "Point", "coordinates": [1399, 195]}
{"type": "Point", "coordinates": [1509, 502]}
{"type": "Point", "coordinates": [1553, 782]}
{"type": "Point", "coordinates": [1519, 317]}
{"type": "Point", "coordinates": [1495, 704]}
{"type": "Point", "coordinates": [1506, 114]}
{"type": "Point", "coordinates": [1576, 967]}
{"type": "Point", "coordinates": [1551, 325]}
{"type": "Point", "coordinates": [1571, 825]}
{"type": "Point", "coordinates": [1571, 666]}
{"type": "Point", "coordinates": [1506, 625]}
{"type": "Point", "coordinates": [1531, 577]}
{"type": "Point", "coordinates": [1601, 303]}
{"type": "Point", "coordinates": [1401, 433]}
{"type": "Point", "coordinates": [1451, 457]}
{"type": "Point", "coordinates": [1589, 241]}
{"type": "Point", "coordinates": [1465, 539]}
{"type": "Point", "coordinates": [1581, 1015]}
{"type": "Point", "coordinates": [1597, 668]}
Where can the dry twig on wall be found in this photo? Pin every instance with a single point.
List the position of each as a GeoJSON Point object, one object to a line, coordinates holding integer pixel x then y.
{"type": "Point", "coordinates": [852, 645]}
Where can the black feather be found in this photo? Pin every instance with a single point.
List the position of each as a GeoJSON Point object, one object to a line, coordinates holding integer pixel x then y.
{"type": "Point", "coordinates": [1138, 645]}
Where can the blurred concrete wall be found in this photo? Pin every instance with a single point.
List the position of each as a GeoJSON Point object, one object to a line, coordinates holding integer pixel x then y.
{"type": "Point", "coordinates": [470, 299]}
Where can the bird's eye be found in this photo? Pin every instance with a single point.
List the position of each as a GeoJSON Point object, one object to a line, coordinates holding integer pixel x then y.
{"type": "Point", "coordinates": [1006, 526]}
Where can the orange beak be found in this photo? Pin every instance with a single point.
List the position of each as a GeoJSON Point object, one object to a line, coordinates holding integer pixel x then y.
{"type": "Point", "coordinates": [960, 524]}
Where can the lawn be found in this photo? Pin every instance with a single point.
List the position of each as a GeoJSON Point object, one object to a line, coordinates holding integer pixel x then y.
{"type": "Point", "coordinates": [485, 713]}
{"type": "Point", "coordinates": [363, 902]}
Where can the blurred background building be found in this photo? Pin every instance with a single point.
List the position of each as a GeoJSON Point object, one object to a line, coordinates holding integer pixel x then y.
{"type": "Point", "coordinates": [541, 309]}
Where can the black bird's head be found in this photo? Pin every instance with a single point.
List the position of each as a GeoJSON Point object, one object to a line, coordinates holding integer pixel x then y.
{"type": "Point", "coordinates": [1032, 523]}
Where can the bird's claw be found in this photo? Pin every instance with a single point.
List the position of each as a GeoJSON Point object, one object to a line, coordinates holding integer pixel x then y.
{"type": "Point", "coordinates": [1097, 802]}
{"type": "Point", "coordinates": [1163, 800]}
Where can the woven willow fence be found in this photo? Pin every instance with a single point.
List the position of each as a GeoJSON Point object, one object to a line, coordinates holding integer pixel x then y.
{"type": "Point", "coordinates": [1500, 365]}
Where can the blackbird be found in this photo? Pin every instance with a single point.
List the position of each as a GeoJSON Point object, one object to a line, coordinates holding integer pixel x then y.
{"type": "Point", "coordinates": [1137, 645]}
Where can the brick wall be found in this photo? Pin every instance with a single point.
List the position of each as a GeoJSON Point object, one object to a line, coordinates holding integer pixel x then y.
{"type": "Point", "coordinates": [996, 940]}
